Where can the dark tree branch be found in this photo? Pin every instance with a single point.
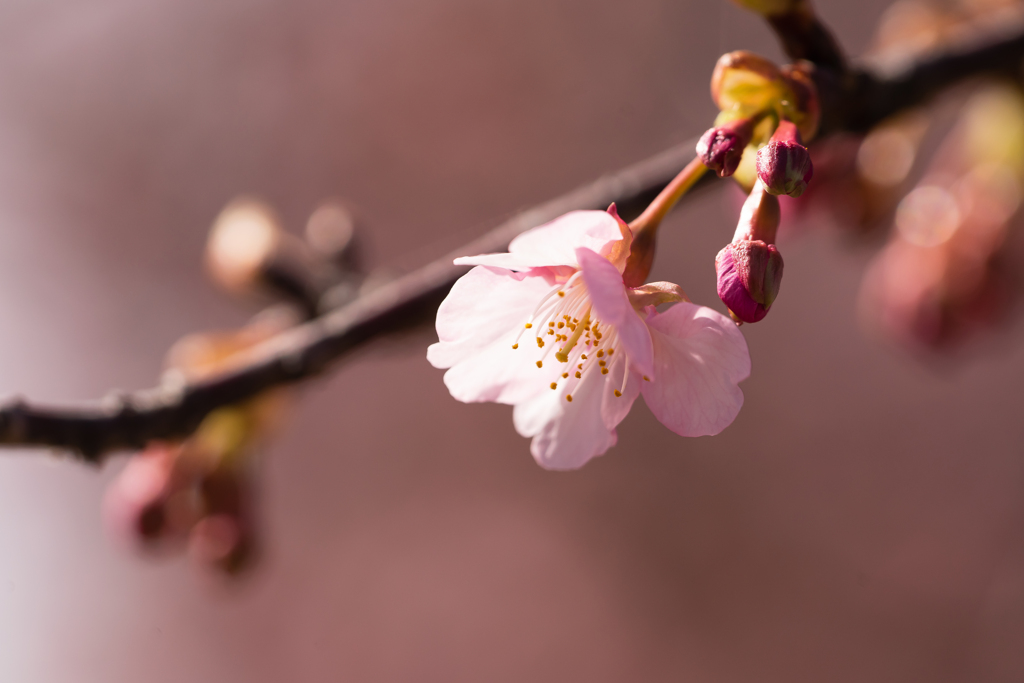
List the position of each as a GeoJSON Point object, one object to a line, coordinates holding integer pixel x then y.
{"type": "Point", "coordinates": [170, 412]}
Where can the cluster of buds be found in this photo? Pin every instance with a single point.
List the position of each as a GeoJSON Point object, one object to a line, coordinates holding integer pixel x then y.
{"type": "Point", "coordinates": [766, 113]}
{"type": "Point", "coordinates": [943, 273]}
{"type": "Point", "coordinates": [249, 253]}
{"type": "Point", "coordinates": [198, 492]}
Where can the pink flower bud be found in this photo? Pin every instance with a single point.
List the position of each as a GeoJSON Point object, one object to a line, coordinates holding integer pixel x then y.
{"type": "Point", "coordinates": [749, 277]}
{"type": "Point", "coordinates": [721, 147]}
{"type": "Point", "coordinates": [784, 164]}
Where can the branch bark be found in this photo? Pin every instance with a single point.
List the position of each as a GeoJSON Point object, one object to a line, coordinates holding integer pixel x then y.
{"type": "Point", "coordinates": [170, 412]}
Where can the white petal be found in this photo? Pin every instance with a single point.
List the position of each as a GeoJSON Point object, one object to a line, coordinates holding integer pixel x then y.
{"type": "Point", "coordinates": [566, 435]}
{"type": "Point", "coordinates": [484, 305]}
{"type": "Point", "coordinates": [554, 243]}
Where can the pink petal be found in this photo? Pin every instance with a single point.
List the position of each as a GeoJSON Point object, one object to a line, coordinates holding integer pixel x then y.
{"type": "Point", "coordinates": [484, 305]}
{"type": "Point", "coordinates": [612, 307]}
{"type": "Point", "coordinates": [566, 435]}
{"type": "Point", "coordinates": [699, 358]}
{"type": "Point", "coordinates": [554, 243]}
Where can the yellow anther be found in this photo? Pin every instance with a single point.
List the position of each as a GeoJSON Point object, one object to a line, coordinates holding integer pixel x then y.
{"type": "Point", "coordinates": [551, 324]}
{"type": "Point", "coordinates": [646, 378]}
{"type": "Point", "coordinates": [540, 342]}
{"type": "Point", "coordinates": [554, 385]}
{"type": "Point", "coordinates": [604, 371]}
{"type": "Point", "coordinates": [529, 325]}
{"type": "Point", "coordinates": [611, 351]}
{"type": "Point", "coordinates": [540, 364]}
{"type": "Point", "coordinates": [568, 397]}
{"type": "Point", "coordinates": [561, 293]}
{"type": "Point", "coordinates": [561, 325]}
{"type": "Point", "coordinates": [565, 375]}
{"type": "Point", "coordinates": [600, 353]}
{"type": "Point", "coordinates": [580, 366]}
{"type": "Point", "coordinates": [583, 356]}
{"type": "Point", "coordinates": [578, 375]}
{"type": "Point", "coordinates": [551, 332]}
{"type": "Point", "coordinates": [515, 346]}
{"type": "Point", "coordinates": [617, 393]}
{"type": "Point", "coordinates": [601, 363]}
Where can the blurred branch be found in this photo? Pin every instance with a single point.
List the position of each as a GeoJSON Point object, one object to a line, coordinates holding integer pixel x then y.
{"type": "Point", "coordinates": [853, 101]}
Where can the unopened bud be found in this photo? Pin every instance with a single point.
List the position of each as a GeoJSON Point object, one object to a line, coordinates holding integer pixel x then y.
{"type": "Point", "coordinates": [784, 164]}
{"type": "Point", "coordinates": [749, 277]}
{"type": "Point", "coordinates": [721, 148]}
{"type": "Point", "coordinates": [750, 268]}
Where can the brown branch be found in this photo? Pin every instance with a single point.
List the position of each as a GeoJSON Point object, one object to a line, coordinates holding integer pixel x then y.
{"type": "Point", "coordinates": [170, 412]}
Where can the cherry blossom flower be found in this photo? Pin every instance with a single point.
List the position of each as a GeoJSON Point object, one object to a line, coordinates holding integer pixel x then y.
{"type": "Point", "coordinates": [550, 328]}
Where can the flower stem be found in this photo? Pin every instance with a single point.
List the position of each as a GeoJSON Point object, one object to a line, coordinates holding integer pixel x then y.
{"type": "Point", "coordinates": [645, 227]}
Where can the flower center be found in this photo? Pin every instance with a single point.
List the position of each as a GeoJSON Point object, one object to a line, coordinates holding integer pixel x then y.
{"type": "Point", "coordinates": [563, 320]}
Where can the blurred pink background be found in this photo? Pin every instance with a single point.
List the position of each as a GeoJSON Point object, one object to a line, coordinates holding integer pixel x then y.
{"type": "Point", "coordinates": [862, 520]}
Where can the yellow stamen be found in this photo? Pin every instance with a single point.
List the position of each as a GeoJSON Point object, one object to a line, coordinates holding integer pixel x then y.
{"type": "Point", "coordinates": [540, 364]}
{"type": "Point", "coordinates": [646, 378]}
{"type": "Point", "coordinates": [529, 325]}
{"type": "Point", "coordinates": [617, 393]}
{"type": "Point", "coordinates": [554, 385]}
{"type": "Point", "coordinates": [568, 397]}
{"type": "Point", "coordinates": [515, 346]}
{"type": "Point", "coordinates": [561, 294]}
{"type": "Point", "coordinates": [563, 353]}
{"type": "Point", "coordinates": [565, 375]}
{"type": "Point", "coordinates": [604, 371]}
{"type": "Point", "coordinates": [578, 374]}
{"type": "Point", "coordinates": [600, 353]}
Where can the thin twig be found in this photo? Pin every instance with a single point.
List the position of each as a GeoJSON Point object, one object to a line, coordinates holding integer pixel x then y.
{"type": "Point", "coordinates": [170, 412]}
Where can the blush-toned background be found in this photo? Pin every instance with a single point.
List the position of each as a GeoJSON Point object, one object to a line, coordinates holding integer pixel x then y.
{"type": "Point", "coordinates": [862, 520]}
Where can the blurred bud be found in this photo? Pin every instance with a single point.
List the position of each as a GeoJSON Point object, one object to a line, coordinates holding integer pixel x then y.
{"type": "Point", "coordinates": [242, 240]}
{"type": "Point", "coordinates": [745, 81]}
{"type": "Point", "coordinates": [750, 268]}
{"type": "Point", "coordinates": [770, 7]}
{"type": "Point", "coordinates": [784, 164]}
{"type": "Point", "coordinates": [331, 231]}
{"type": "Point", "coordinates": [201, 489]}
{"type": "Point", "coordinates": [721, 147]}
{"type": "Point", "coordinates": [134, 506]}
{"type": "Point", "coordinates": [803, 106]}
